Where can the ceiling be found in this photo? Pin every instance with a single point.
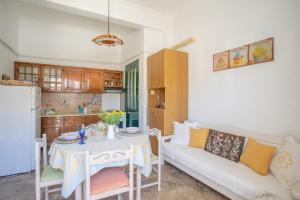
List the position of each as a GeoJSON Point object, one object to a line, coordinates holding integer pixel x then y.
{"type": "Point", "coordinates": [159, 5]}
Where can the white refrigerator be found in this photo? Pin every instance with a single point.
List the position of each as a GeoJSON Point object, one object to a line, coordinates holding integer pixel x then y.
{"type": "Point", "coordinates": [20, 124]}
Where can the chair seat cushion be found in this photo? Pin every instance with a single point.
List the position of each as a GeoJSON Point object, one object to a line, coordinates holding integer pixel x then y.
{"type": "Point", "coordinates": [51, 174]}
{"type": "Point", "coordinates": [108, 179]}
{"type": "Point", "coordinates": [154, 157]}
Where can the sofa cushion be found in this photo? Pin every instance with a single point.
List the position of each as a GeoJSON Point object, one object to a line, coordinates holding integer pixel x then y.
{"type": "Point", "coordinates": [225, 145]}
{"type": "Point", "coordinates": [235, 177]}
{"type": "Point", "coordinates": [258, 156]}
{"type": "Point", "coordinates": [182, 132]}
{"type": "Point", "coordinates": [198, 137]}
{"type": "Point", "coordinates": [286, 163]}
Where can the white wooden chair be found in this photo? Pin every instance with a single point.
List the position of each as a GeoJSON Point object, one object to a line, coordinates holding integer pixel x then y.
{"type": "Point", "coordinates": [47, 176]}
{"type": "Point", "coordinates": [109, 181]}
{"type": "Point", "coordinates": [155, 159]}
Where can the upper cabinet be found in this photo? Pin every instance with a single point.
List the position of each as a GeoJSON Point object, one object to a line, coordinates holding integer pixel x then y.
{"type": "Point", "coordinates": [73, 79]}
{"type": "Point", "coordinates": [54, 78]}
{"type": "Point", "coordinates": [27, 72]}
{"type": "Point", "coordinates": [93, 79]}
{"type": "Point", "coordinates": [113, 79]}
{"type": "Point", "coordinates": [156, 70]}
{"type": "Point", "coordinates": [51, 80]}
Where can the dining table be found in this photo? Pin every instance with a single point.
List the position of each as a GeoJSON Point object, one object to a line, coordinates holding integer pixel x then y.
{"type": "Point", "coordinates": [70, 158]}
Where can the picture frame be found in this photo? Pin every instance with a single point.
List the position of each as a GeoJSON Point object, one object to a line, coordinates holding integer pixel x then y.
{"type": "Point", "coordinates": [261, 51]}
{"type": "Point", "coordinates": [221, 61]}
{"type": "Point", "coordinates": [238, 57]}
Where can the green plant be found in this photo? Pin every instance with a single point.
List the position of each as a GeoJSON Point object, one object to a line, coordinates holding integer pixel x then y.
{"type": "Point", "coordinates": [112, 118]}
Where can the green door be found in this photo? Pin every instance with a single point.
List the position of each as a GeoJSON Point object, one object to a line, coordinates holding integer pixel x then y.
{"type": "Point", "coordinates": [132, 94]}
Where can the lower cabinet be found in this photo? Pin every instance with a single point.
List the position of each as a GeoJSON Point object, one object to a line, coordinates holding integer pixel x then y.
{"type": "Point", "coordinates": [73, 123]}
{"type": "Point", "coordinates": [53, 127]}
{"type": "Point", "coordinates": [52, 133]}
{"type": "Point", "coordinates": [156, 119]}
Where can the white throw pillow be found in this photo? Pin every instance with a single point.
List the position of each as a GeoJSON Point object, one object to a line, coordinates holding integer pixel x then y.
{"type": "Point", "coordinates": [191, 124]}
{"type": "Point", "coordinates": [285, 165]}
{"type": "Point", "coordinates": [181, 133]}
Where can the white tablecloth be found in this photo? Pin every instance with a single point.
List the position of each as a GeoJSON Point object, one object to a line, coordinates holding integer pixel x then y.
{"type": "Point", "coordinates": [70, 158]}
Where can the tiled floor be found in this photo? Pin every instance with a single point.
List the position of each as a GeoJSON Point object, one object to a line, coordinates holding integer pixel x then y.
{"type": "Point", "coordinates": [175, 185]}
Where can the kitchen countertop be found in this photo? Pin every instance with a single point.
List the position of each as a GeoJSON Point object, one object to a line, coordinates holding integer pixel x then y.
{"type": "Point", "coordinates": [70, 115]}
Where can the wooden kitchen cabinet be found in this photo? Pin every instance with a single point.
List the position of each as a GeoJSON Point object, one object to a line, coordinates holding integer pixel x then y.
{"type": "Point", "coordinates": [55, 126]}
{"type": "Point", "coordinates": [92, 119]}
{"type": "Point", "coordinates": [93, 80]}
{"type": "Point", "coordinates": [28, 72]}
{"type": "Point", "coordinates": [51, 78]}
{"type": "Point", "coordinates": [57, 78]}
{"type": "Point", "coordinates": [156, 71]}
{"type": "Point", "coordinates": [113, 79]}
{"type": "Point", "coordinates": [167, 89]}
{"type": "Point", "coordinates": [156, 118]}
{"type": "Point", "coordinates": [73, 123]}
{"type": "Point", "coordinates": [52, 126]}
{"type": "Point", "coordinates": [73, 79]}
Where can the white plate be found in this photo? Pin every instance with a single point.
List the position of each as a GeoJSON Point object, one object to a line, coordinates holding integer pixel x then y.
{"type": "Point", "coordinates": [133, 130]}
{"type": "Point", "coordinates": [69, 136]}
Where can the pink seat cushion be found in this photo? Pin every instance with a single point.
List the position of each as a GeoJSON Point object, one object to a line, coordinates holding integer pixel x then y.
{"type": "Point", "coordinates": [108, 179]}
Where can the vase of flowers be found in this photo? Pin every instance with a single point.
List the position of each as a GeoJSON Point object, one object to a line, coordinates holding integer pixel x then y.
{"type": "Point", "coordinates": [111, 119]}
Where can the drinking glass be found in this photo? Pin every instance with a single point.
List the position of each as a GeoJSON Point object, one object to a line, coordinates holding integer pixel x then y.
{"type": "Point", "coordinates": [81, 134]}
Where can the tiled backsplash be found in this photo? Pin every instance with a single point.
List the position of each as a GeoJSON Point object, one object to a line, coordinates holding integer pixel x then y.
{"type": "Point", "coordinates": [67, 103]}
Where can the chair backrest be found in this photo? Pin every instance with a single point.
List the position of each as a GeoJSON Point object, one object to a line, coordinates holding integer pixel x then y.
{"type": "Point", "coordinates": [40, 143]}
{"type": "Point", "coordinates": [107, 157]}
{"type": "Point", "coordinates": [156, 132]}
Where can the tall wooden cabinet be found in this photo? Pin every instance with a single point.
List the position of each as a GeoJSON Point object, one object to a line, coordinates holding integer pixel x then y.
{"type": "Point", "coordinates": [167, 89]}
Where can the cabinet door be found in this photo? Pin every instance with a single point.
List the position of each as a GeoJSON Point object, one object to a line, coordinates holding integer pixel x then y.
{"type": "Point", "coordinates": [73, 123]}
{"type": "Point", "coordinates": [94, 80]}
{"type": "Point", "coordinates": [71, 128]}
{"type": "Point", "coordinates": [52, 127]}
{"type": "Point", "coordinates": [73, 79]}
{"type": "Point", "coordinates": [51, 78]}
{"type": "Point", "coordinates": [156, 118]}
{"type": "Point", "coordinates": [159, 116]}
{"type": "Point", "coordinates": [27, 72]}
{"type": "Point", "coordinates": [151, 118]}
{"type": "Point", "coordinates": [93, 119]}
{"type": "Point", "coordinates": [156, 71]}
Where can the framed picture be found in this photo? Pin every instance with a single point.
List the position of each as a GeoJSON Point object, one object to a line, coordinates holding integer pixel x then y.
{"type": "Point", "coordinates": [238, 57]}
{"type": "Point", "coordinates": [221, 61]}
{"type": "Point", "coordinates": [261, 51]}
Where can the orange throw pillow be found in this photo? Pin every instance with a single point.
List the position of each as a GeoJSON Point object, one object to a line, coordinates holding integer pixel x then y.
{"type": "Point", "coordinates": [198, 137]}
{"type": "Point", "coordinates": [258, 156]}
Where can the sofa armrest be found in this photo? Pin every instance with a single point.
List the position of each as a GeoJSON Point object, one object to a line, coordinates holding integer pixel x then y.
{"type": "Point", "coordinates": [296, 191]}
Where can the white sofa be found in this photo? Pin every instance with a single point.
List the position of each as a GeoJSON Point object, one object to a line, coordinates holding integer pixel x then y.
{"type": "Point", "coordinates": [233, 180]}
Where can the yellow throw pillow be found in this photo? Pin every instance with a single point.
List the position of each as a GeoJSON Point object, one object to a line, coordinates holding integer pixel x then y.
{"type": "Point", "coordinates": [198, 137]}
{"type": "Point", "coordinates": [257, 156]}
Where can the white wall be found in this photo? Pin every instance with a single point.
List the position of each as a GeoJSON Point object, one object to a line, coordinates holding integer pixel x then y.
{"type": "Point", "coordinates": [8, 37]}
{"type": "Point", "coordinates": [9, 23]}
{"type": "Point", "coordinates": [7, 59]}
{"type": "Point", "coordinates": [263, 98]}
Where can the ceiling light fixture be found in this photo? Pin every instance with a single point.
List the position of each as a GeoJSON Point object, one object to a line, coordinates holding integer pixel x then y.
{"type": "Point", "coordinates": [108, 39]}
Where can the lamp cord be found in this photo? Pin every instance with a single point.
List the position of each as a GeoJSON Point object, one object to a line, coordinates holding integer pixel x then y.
{"type": "Point", "coordinates": [108, 17]}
